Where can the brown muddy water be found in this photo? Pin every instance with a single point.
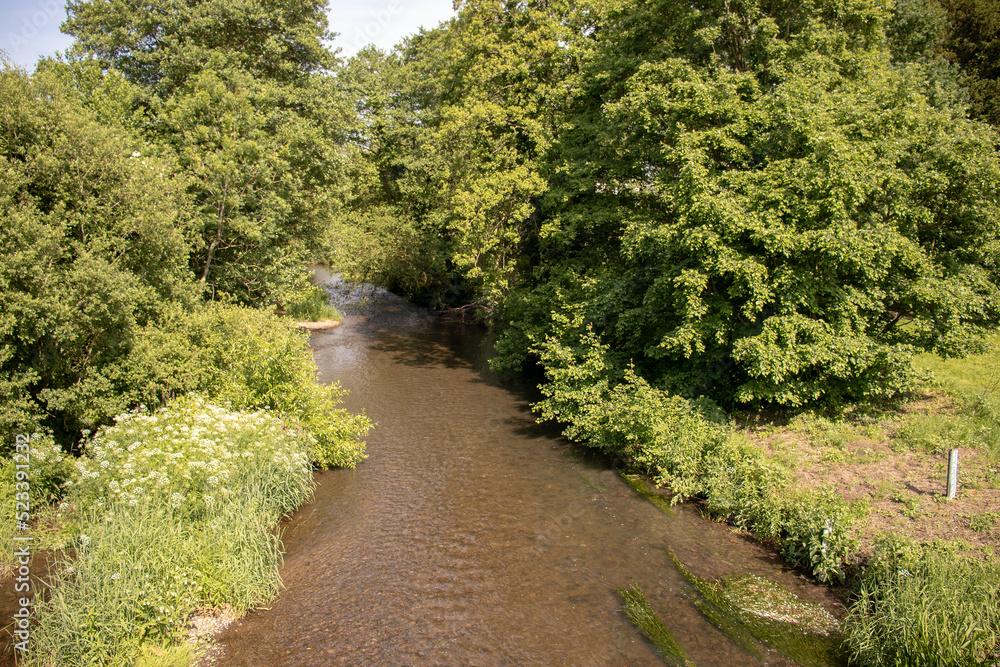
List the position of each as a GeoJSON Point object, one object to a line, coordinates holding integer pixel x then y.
{"type": "Point", "coordinates": [472, 535]}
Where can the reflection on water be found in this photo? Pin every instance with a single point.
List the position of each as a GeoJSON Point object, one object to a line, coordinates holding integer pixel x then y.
{"type": "Point", "coordinates": [471, 535]}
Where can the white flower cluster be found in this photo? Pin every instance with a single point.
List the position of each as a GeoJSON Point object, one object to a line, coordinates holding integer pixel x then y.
{"type": "Point", "coordinates": [183, 453]}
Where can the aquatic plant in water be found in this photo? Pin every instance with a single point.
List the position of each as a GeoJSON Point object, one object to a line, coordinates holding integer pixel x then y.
{"type": "Point", "coordinates": [643, 616]}
{"type": "Point", "coordinates": [753, 611]}
{"type": "Point", "coordinates": [639, 485]}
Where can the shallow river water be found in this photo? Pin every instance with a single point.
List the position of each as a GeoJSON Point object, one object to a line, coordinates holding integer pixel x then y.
{"type": "Point", "coordinates": [473, 535]}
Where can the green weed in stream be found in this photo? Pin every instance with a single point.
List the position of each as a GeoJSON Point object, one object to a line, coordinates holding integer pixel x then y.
{"type": "Point", "coordinates": [643, 616]}
{"type": "Point", "coordinates": [753, 611]}
{"type": "Point", "coordinates": [638, 484]}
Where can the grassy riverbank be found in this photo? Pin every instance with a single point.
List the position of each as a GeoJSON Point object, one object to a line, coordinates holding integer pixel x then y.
{"type": "Point", "coordinates": [854, 498]}
{"type": "Point", "coordinates": [173, 511]}
{"type": "Point", "coordinates": [925, 569]}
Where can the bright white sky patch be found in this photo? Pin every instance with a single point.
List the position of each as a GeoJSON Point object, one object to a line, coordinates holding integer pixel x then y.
{"type": "Point", "coordinates": [29, 29]}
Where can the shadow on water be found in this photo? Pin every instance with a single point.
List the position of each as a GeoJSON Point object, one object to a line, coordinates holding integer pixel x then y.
{"type": "Point", "coordinates": [473, 535]}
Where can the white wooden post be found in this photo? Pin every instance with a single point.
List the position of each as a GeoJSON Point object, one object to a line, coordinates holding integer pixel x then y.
{"type": "Point", "coordinates": [952, 473]}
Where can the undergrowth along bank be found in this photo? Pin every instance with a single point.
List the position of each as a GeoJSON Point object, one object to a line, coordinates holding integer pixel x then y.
{"type": "Point", "coordinates": [166, 513]}
{"type": "Point", "coordinates": [173, 508]}
{"type": "Point", "coordinates": [690, 449]}
{"type": "Point", "coordinates": [912, 604]}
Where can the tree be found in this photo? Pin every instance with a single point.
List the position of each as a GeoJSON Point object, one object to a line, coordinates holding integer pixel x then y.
{"type": "Point", "coordinates": [238, 93]}
{"type": "Point", "coordinates": [160, 44]}
{"type": "Point", "coordinates": [789, 216]}
{"type": "Point", "coordinates": [92, 245]}
{"type": "Point", "coordinates": [973, 41]}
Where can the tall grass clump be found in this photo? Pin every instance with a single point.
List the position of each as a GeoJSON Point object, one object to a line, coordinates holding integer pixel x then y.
{"type": "Point", "coordinates": [47, 468]}
{"type": "Point", "coordinates": [7, 525]}
{"type": "Point", "coordinates": [930, 605]}
{"type": "Point", "coordinates": [129, 582]}
{"type": "Point", "coordinates": [311, 305]}
{"type": "Point", "coordinates": [174, 510]}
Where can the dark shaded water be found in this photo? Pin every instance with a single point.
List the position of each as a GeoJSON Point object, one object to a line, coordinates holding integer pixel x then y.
{"type": "Point", "coordinates": [473, 536]}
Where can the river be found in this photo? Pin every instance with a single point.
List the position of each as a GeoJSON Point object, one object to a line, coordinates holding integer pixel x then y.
{"type": "Point", "coordinates": [473, 535]}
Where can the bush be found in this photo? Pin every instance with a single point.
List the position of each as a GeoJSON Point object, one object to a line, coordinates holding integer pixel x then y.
{"type": "Point", "coordinates": [930, 605]}
{"type": "Point", "coordinates": [741, 486]}
{"type": "Point", "coordinates": [311, 304]}
{"type": "Point", "coordinates": [663, 434]}
{"type": "Point", "coordinates": [814, 532]}
{"type": "Point", "coordinates": [251, 360]}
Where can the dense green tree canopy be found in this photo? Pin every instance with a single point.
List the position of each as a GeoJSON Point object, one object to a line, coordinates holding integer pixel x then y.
{"type": "Point", "coordinates": [160, 44]}
{"type": "Point", "coordinates": [765, 202]}
{"type": "Point", "coordinates": [238, 92]}
{"type": "Point", "coordinates": [973, 41]}
{"type": "Point", "coordinates": [92, 241]}
{"type": "Point", "coordinates": [185, 149]}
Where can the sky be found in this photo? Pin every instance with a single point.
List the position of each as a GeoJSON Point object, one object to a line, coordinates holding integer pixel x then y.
{"type": "Point", "coordinates": [30, 28]}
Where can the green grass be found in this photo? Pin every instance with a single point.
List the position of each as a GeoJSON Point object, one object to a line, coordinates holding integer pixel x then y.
{"type": "Point", "coordinates": [173, 511]}
{"type": "Point", "coordinates": [7, 525]}
{"type": "Point", "coordinates": [932, 605]}
{"type": "Point", "coordinates": [642, 615]}
{"type": "Point", "coordinates": [311, 305]}
{"type": "Point", "coordinates": [984, 522]}
{"type": "Point", "coordinates": [168, 656]}
{"type": "Point", "coordinates": [973, 383]}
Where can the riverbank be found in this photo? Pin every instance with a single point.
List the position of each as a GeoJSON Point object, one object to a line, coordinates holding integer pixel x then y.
{"type": "Point", "coordinates": [172, 511]}
{"type": "Point", "coordinates": [892, 462]}
{"type": "Point", "coordinates": [789, 483]}
{"type": "Point", "coordinates": [920, 570]}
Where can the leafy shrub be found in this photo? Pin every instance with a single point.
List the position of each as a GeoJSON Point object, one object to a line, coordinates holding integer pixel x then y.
{"type": "Point", "coordinates": [814, 532]}
{"type": "Point", "coordinates": [663, 434]}
{"type": "Point", "coordinates": [930, 605]}
{"type": "Point", "coordinates": [251, 360]}
{"type": "Point", "coordinates": [311, 304]}
{"type": "Point", "coordinates": [92, 247]}
{"type": "Point", "coordinates": [740, 485]}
